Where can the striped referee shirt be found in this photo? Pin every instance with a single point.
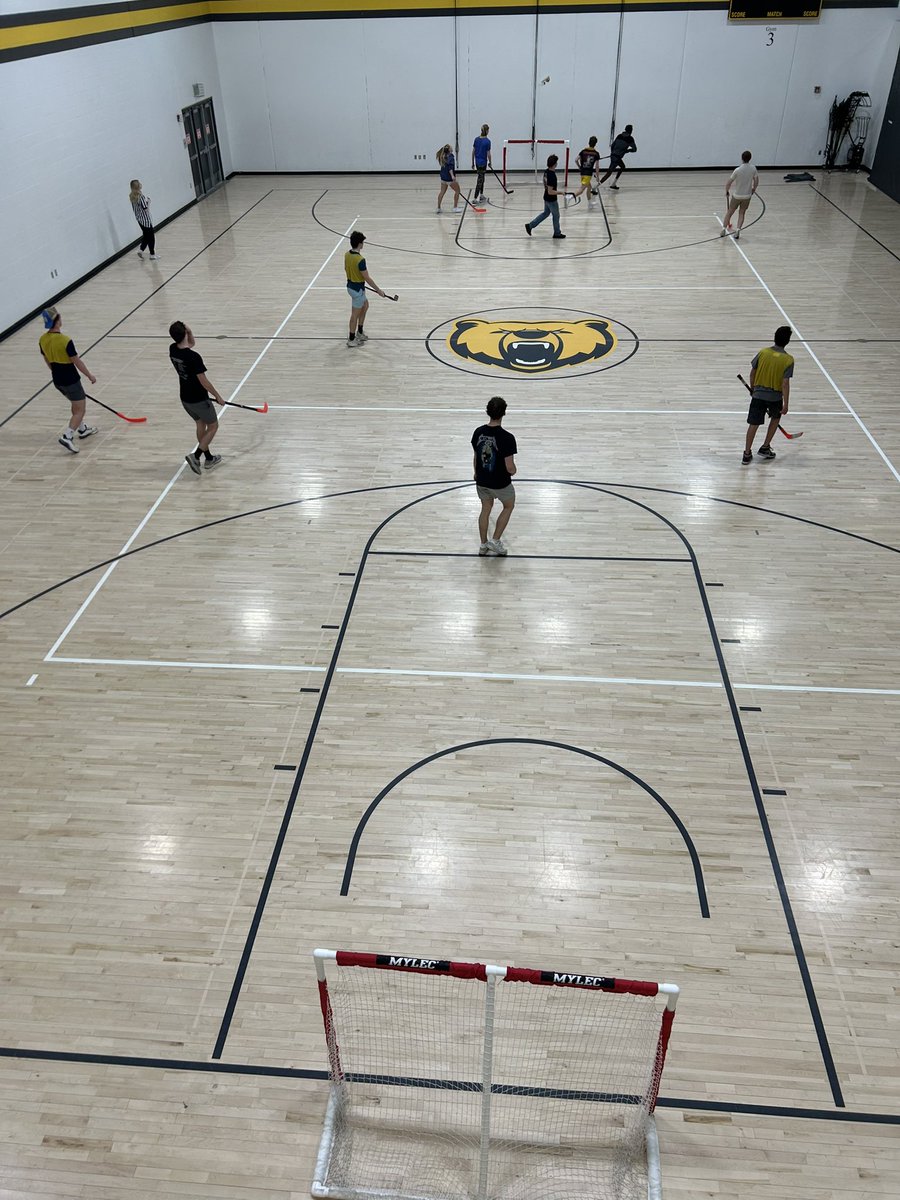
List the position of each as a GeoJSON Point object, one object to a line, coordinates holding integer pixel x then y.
{"type": "Point", "coordinates": [141, 208]}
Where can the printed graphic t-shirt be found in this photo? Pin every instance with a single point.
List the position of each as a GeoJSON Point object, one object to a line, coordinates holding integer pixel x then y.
{"type": "Point", "coordinates": [189, 365]}
{"type": "Point", "coordinates": [57, 349]}
{"type": "Point", "coordinates": [587, 160]}
{"type": "Point", "coordinates": [492, 445]}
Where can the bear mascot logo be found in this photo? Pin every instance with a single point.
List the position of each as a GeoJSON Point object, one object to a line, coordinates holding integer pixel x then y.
{"type": "Point", "coordinates": [531, 347]}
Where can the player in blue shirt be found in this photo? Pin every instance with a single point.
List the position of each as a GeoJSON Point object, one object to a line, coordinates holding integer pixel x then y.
{"type": "Point", "coordinates": [481, 160]}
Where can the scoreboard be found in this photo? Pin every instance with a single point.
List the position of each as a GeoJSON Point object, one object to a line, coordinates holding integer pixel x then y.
{"type": "Point", "coordinates": [773, 10]}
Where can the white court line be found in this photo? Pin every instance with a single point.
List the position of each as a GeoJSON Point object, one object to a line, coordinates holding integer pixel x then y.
{"type": "Point", "coordinates": [540, 677]}
{"type": "Point", "coordinates": [112, 566]}
{"type": "Point", "coordinates": [600, 412]}
{"type": "Point", "coordinates": [729, 287]}
{"type": "Point", "coordinates": [31, 681]}
{"type": "Point", "coordinates": [812, 354]}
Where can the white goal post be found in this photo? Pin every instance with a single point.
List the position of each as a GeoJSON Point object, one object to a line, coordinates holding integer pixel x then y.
{"type": "Point", "coordinates": [510, 162]}
{"type": "Point", "coordinates": [469, 1081]}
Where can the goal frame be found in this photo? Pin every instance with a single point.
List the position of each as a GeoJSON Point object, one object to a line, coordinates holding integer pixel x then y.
{"type": "Point", "coordinates": [491, 975]}
{"type": "Point", "coordinates": [533, 143]}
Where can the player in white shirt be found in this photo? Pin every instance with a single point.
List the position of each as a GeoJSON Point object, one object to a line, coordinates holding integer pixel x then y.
{"type": "Point", "coordinates": [741, 185]}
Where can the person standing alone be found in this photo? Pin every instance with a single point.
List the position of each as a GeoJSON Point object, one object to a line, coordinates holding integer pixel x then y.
{"type": "Point", "coordinates": [62, 358]}
{"type": "Point", "coordinates": [770, 386]}
{"type": "Point", "coordinates": [739, 190]}
{"type": "Point", "coordinates": [141, 207]}
{"type": "Point", "coordinates": [495, 465]}
{"type": "Point", "coordinates": [357, 278]}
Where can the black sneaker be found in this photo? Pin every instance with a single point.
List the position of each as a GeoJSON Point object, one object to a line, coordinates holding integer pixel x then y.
{"type": "Point", "coordinates": [193, 463]}
{"type": "Point", "coordinates": [559, 235]}
{"type": "Point", "coordinates": [766, 452]}
{"type": "Point", "coordinates": [614, 187]}
{"type": "Point", "coordinates": [747, 457]}
{"type": "Point", "coordinates": [528, 230]}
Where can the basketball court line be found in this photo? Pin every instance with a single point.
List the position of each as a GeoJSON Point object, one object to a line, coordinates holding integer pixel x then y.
{"type": "Point", "coordinates": [539, 677]}
{"type": "Point", "coordinates": [526, 412]}
{"type": "Point", "coordinates": [161, 497]}
{"type": "Point", "coordinates": [812, 354]}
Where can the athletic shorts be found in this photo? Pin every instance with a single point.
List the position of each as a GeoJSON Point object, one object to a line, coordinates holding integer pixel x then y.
{"type": "Point", "coordinates": [585, 180]}
{"type": "Point", "coordinates": [760, 409]}
{"type": "Point", "coordinates": [200, 410]}
{"type": "Point", "coordinates": [73, 392]}
{"type": "Point", "coordinates": [504, 495]}
{"type": "Point", "coordinates": [446, 177]}
{"type": "Point", "coordinates": [616, 163]}
{"type": "Point", "coordinates": [740, 203]}
{"type": "Point", "coordinates": [357, 298]}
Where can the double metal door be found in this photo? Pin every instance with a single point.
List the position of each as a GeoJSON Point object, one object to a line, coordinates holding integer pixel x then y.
{"type": "Point", "coordinates": [202, 143]}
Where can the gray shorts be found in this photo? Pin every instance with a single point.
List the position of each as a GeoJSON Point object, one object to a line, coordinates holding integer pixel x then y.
{"type": "Point", "coordinates": [504, 495]}
{"type": "Point", "coordinates": [73, 392]}
{"type": "Point", "coordinates": [200, 410]}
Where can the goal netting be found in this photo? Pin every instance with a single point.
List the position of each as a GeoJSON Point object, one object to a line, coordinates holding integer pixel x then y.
{"type": "Point", "coordinates": [467, 1081]}
{"type": "Point", "coordinates": [530, 154]}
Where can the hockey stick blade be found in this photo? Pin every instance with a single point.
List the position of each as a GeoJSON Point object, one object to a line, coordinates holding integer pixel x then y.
{"type": "Point", "coordinates": [116, 413]}
{"type": "Point", "coordinates": [248, 407]}
{"type": "Point", "coordinates": [781, 429]}
{"type": "Point", "coordinates": [509, 191]}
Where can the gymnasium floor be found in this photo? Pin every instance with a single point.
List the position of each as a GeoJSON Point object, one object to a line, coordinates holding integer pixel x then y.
{"type": "Point", "coordinates": [192, 734]}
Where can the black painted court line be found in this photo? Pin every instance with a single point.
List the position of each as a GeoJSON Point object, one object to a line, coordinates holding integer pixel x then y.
{"type": "Point", "coordinates": [284, 767]}
{"type": "Point", "coordinates": [750, 708]}
{"type": "Point", "coordinates": [28, 1054]}
{"type": "Point", "coordinates": [887, 249]}
{"type": "Point", "coordinates": [774, 792]}
{"type": "Point", "coordinates": [347, 574]}
{"type": "Point", "coordinates": [714, 585]}
{"type": "Point", "coordinates": [524, 741]}
{"type": "Point", "coordinates": [329, 626]}
{"type": "Point", "coordinates": [312, 690]}
{"type": "Point", "coordinates": [266, 887]}
{"type": "Point", "coordinates": [787, 908]}
{"type": "Point", "coordinates": [551, 557]}
{"type": "Point", "coordinates": [282, 504]}
{"type": "Point", "coordinates": [165, 283]}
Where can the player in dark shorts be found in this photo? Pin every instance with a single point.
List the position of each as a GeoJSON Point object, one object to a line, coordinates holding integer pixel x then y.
{"type": "Point", "coordinates": [770, 385]}
{"type": "Point", "coordinates": [64, 362]}
{"type": "Point", "coordinates": [623, 144]}
{"type": "Point", "coordinates": [495, 466]}
{"type": "Point", "coordinates": [195, 395]}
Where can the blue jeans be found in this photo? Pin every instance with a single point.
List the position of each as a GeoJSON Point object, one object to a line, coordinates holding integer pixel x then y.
{"type": "Point", "coordinates": [551, 209]}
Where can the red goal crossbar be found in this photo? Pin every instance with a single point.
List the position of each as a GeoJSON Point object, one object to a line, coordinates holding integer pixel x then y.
{"type": "Point", "coordinates": [533, 142]}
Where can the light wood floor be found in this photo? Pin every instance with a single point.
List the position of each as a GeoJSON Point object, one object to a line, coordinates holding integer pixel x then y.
{"type": "Point", "coordinates": [722, 636]}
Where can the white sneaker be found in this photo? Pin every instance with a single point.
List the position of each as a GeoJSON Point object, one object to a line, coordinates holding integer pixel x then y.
{"type": "Point", "coordinates": [140, 254]}
{"type": "Point", "coordinates": [352, 343]}
{"type": "Point", "coordinates": [154, 257]}
{"type": "Point", "coordinates": [67, 444]}
{"type": "Point", "coordinates": [456, 210]}
{"type": "Point", "coordinates": [361, 336]}
{"type": "Point", "coordinates": [498, 548]}
{"type": "Point", "coordinates": [439, 211]}
{"type": "Point", "coordinates": [87, 431]}
{"type": "Point", "coordinates": [483, 549]}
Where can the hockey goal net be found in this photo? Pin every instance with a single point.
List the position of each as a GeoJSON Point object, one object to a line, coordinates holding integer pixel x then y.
{"type": "Point", "coordinates": [468, 1081]}
{"type": "Point", "coordinates": [527, 154]}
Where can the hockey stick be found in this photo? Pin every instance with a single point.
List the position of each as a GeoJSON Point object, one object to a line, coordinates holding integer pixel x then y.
{"type": "Point", "coordinates": [782, 429]}
{"type": "Point", "coordinates": [115, 412]}
{"type": "Point", "coordinates": [384, 297]}
{"type": "Point", "coordinates": [249, 407]}
{"type": "Point", "coordinates": [474, 207]}
{"type": "Point", "coordinates": [509, 191]}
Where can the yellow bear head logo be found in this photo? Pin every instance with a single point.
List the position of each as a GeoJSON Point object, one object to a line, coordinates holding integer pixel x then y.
{"type": "Point", "coordinates": [531, 347]}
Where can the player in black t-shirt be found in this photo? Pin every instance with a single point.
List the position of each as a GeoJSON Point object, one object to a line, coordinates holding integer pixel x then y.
{"type": "Point", "coordinates": [195, 395]}
{"type": "Point", "coordinates": [587, 164]}
{"type": "Point", "coordinates": [551, 200]}
{"type": "Point", "coordinates": [623, 144]}
{"type": "Point", "coordinates": [494, 468]}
